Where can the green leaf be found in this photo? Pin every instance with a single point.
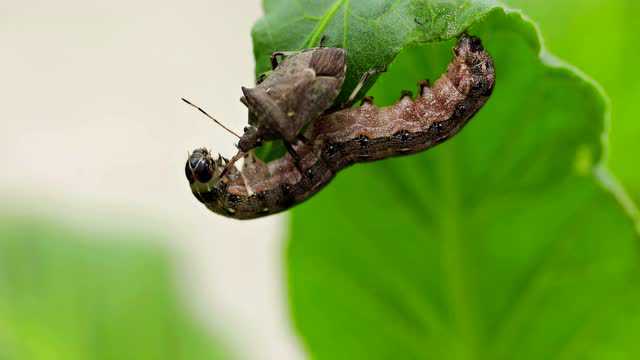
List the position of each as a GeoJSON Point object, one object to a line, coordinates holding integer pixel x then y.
{"type": "Point", "coordinates": [509, 241]}
{"type": "Point", "coordinates": [271, 150]}
{"type": "Point", "coordinates": [63, 296]}
{"type": "Point", "coordinates": [607, 51]}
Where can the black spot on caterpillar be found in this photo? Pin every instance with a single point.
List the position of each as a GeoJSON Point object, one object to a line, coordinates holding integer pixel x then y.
{"type": "Point", "coordinates": [344, 137]}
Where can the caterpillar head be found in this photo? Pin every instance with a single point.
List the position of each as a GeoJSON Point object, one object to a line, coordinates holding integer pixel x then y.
{"type": "Point", "coordinates": [472, 70]}
{"type": "Point", "coordinates": [468, 46]}
{"type": "Point", "coordinates": [202, 168]}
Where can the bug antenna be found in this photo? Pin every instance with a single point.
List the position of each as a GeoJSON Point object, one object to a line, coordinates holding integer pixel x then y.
{"type": "Point", "coordinates": [211, 117]}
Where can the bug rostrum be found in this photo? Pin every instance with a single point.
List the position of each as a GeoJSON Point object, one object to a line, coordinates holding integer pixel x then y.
{"type": "Point", "coordinates": [336, 139]}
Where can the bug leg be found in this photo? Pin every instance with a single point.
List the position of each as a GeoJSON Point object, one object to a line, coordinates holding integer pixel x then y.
{"type": "Point", "coordinates": [295, 156]}
{"type": "Point", "coordinates": [283, 54]}
{"type": "Point", "coordinates": [292, 151]}
{"type": "Point", "coordinates": [274, 60]}
{"type": "Point", "coordinates": [231, 163]}
{"type": "Point", "coordinates": [323, 41]}
{"type": "Point", "coordinates": [363, 80]}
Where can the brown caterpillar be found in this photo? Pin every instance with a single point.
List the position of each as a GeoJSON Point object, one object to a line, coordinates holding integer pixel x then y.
{"type": "Point", "coordinates": [344, 137]}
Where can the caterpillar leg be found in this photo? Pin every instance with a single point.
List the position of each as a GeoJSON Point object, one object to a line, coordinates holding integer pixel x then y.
{"type": "Point", "coordinates": [294, 155]}
{"type": "Point", "coordinates": [424, 87]}
{"type": "Point", "coordinates": [363, 80]}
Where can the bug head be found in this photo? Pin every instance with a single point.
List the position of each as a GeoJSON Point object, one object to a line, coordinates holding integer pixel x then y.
{"type": "Point", "coordinates": [251, 139]}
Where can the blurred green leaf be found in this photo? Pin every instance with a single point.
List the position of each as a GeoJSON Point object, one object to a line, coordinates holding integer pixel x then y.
{"type": "Point", "coordinates": [65, 296]}
{"type": "Point", "coordinates": [509, 241]}
{"type": "Point", "coordinates": [600, 37]}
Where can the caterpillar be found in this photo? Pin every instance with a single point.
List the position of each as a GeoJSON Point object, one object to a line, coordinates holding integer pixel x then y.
{"type": "Point", "coordinates": [344, 137]}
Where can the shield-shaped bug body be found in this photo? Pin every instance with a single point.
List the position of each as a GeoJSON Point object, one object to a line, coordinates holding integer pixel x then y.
{"type": "Point", "coordinates": [298, 90]}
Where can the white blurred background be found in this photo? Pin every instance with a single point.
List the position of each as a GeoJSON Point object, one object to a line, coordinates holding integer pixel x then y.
{"type": "Point", "coordinates": [91, 126]}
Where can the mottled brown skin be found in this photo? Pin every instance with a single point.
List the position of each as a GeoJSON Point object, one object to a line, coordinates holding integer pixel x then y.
{"type": "Point", "coordinates": [349, 136]}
